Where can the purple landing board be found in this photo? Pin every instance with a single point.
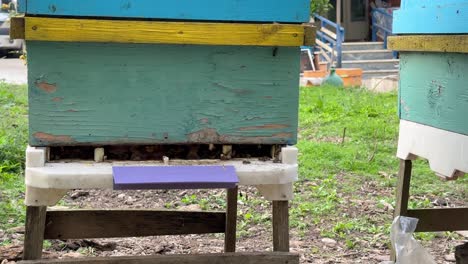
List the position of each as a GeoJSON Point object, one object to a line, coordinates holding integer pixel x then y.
{"type": "Point", "coordinates": [174, 177]}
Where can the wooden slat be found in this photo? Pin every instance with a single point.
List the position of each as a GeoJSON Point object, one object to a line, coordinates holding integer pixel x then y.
{"type": "Point", "coordinates": [229, 258]}
{"type": "Point", "coordinates": [17, 27]}
{"type": "Point", "coordinates": [324, 54]}
{"type": "Point", "coordinates": [158, 32]}
{"type": "Point", "coordinates": [231, 220]}
{"type": "Point", "coordinates": [34, 233]}
{"type": "Point", "coordinates": [281, 226]}
{"type": "Point", "coordinates": [436, 220]}
{"type": "Point", "coordinates": [402, 194]}
{"type": "Point", "coordinates": [309, 35]}
{"type": "Point", "coordinates": [74, 224]}
{"type": "Point", "coordinates": [403, 187]}
{"type": "Point", "coordinates": [328, 32]}
{"type": "Point", "coordinates": [325, 46]}
{"type": "Point", "coordinates": [429, 43]}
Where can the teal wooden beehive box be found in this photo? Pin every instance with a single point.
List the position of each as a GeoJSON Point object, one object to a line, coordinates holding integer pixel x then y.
{"type": "Point", "coordinates": [151, 83]}
{"type": "Point", "coordinates": [432, 40]}
{"type": "Point", "coordinates": [433, 105]}
{"type": "Point", "coordinates": [162, 72]}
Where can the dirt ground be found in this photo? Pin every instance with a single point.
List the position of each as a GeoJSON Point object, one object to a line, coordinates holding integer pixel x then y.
{"type": "Point", "coordinates": [252, 237]}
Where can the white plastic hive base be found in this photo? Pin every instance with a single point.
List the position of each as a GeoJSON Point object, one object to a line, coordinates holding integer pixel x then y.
{"type": "Point", "coordinates": [47, 182]}
{"type": "Point", "coordinates": [447, 152]}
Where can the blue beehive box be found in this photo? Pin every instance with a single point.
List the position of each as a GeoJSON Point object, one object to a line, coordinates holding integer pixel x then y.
{"type": "Point", "coordinates": [433, 105]}
{"type": "Point", "coordinates": [164, 72]}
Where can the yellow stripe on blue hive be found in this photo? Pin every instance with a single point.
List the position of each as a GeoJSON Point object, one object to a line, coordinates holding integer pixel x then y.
{"type": "Point", "coordinates": [157, 32]}
{"type": "Point", "coordinates": [429, 43]}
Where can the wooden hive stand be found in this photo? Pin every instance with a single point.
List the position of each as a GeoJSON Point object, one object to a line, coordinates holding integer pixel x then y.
{"type": "Point", "coordinates": [79, 224]}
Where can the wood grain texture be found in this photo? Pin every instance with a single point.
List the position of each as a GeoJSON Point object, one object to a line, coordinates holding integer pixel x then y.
{"type": "Point", "coordinates": [403, 187]}
{"type": "Point", "coordinates": [74, 224]}
{"type": "Point", "coordinates": [158, 32]}
{"type": "Point", "coordinates": [430, 43]}
{"type": "Point", "coordinates": [439, 220]}
{"type": "Point", "coordinates": [229, 258]}
{"type": "Point", "coordinates": [291, 11]}
{"type": "Point", "coordinates": [155, 94]}
{"type": "Point", "coordinates": [17, 27]}
{"type": "Point", "coordinates": [231, 220]}
{"type": "Point", "coordinates": [433, 90]}
{"type": "Point", "coordinates": [34, 232]}
{"type": "Point", "coordinates": [280, 226]}
{"type": "Point", "coordinates": [433, 17]}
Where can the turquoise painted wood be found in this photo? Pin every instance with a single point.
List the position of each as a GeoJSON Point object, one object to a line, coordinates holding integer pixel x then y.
{"type": "Point", "coordinates": [91, 94]}
{"type": "Point", "coordinates": [21, 6]}
{"type": "Point", "coordinates": [294, 11]}
{"type": "Point", "coordinates": [434, 90]}
{"type": "Point", "coordinates": [431, 17]}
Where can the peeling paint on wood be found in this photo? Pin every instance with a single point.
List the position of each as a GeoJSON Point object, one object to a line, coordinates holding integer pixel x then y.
{"type": "Point", "coordinates": [268, 126]}
{"type": "Point", "coordinates": [114, 94]}
{"type": "Point", "coordinates": [46, 138]}
{"type": "Point", "coordinates": [46, 87]}
{"type": "Point", "coordinates": [433, 90]}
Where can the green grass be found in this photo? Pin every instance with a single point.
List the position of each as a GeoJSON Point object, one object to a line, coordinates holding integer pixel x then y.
{"type": "Point", "coordinates": [348, 141]}
{"type": "Point", "coordinates": [13, 141]}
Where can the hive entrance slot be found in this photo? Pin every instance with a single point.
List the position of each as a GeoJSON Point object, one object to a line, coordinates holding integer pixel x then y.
{"type": "Point", "coordinates": [158, 152]}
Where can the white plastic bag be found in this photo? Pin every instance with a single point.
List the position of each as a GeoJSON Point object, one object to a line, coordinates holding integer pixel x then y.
{"type": "Point", "coordinates": [408, 250]}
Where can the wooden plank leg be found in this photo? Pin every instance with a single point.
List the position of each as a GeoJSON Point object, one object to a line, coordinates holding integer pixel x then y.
{"type": "Point", "coordinates": [402, 194]}
{"type": "Point", "coordinates": [34, 233]}
{"type": "Point", "coordinates": [231, 220]}
{"type": "Point", "coordinates": [281, 226]}
{"type": "Point", "coordinates": [461, 254]}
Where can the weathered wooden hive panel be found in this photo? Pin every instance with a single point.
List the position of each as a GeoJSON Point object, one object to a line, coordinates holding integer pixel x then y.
{"type": "Point", "coordinates": [433, 45]}
{"type": "Point", "coordinates": [100, 75]}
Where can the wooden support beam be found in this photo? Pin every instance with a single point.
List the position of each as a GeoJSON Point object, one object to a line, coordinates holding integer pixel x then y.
{"type": "Point", "coordinates": [34, 233]}
{"type": "Point", "coordinates": [309, 35]}
{"type": "Point", "coordinates": [230, 258]}
{"type": "Point", "coordinates": [231, 220]}
{"type": "Point", "coordinates": [17, 27]}
{"type": "Point", "coordinates": [461, 254]}
{"type": "Point", "coordinates": [443, 219]}
{"type": "Point", "coordinates": [281, 226]}
{"type": "Point", "coordinates": [74, 224]}
{"type": "Point", "coordinates": [402, 194]}
{"type": "Point", "coordinates": [403, 187]}
{"type": "Point", "coordinates": [159, 32]}
{"type": "Point", "coordinates": [429, 43]}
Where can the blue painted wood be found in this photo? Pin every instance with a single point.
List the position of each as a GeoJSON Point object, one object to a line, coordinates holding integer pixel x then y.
{"type": "Point", "coordinates": [431, 17]}
{"type": "Point", "coordinates": [113, 94]}
{"type": "Point", "coordinates": [21, 6]}
{"type": "Point", "coordinates": [295, 11]}
{"type": "Point", "coordinates": [405, 4]}
{"type": "Point", "coordinates": [433, 90]}
{"type": "Point", "coordinates": [174, 177]}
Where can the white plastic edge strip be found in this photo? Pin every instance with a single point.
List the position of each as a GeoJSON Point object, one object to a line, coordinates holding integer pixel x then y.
{"type": "Point", "coordinates": [447, 152]}
{"type": "Point", "coordinates": [79, 175]}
